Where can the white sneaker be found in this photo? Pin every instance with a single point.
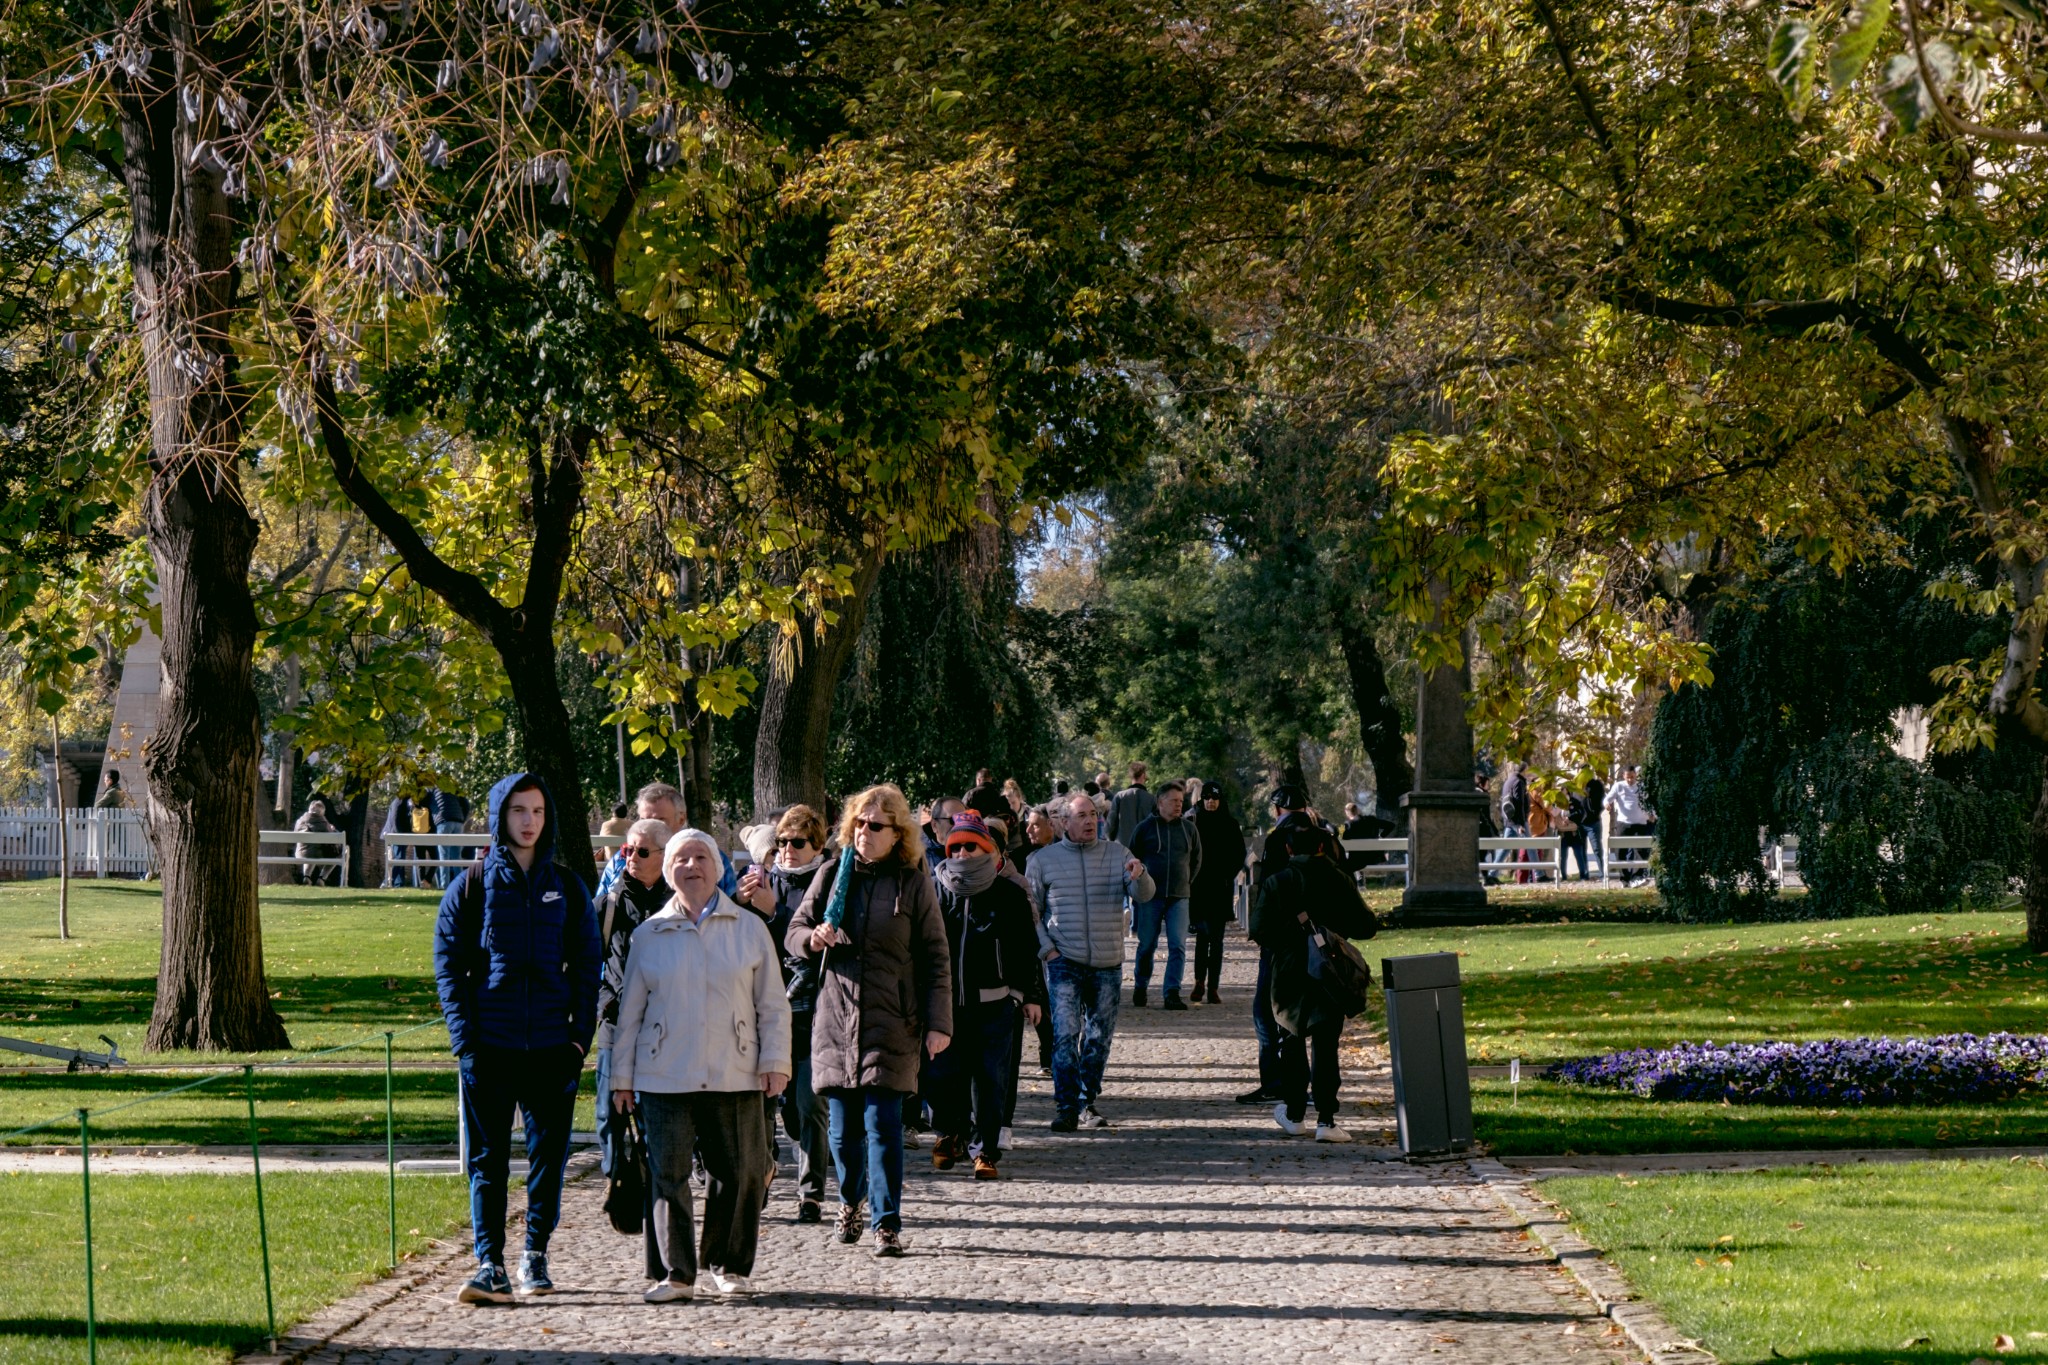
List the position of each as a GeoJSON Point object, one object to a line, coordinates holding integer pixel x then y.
{"type": "Point", "coordinates": [722, 1283]}
{"type": "Point", "coordinates": [668, 1291]}
{"type": "Point", "coordinates": [1330, 1132]}
{"type": "Point", "coordinates": [1006, 1138]}
{"type": "Point", "coordinates": [1291, 1127]}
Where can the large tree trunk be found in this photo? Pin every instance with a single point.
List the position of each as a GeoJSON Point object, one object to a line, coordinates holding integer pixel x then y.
{"type": "Point", "coordinates": [201, 765]}
{"type": "Point", "coordinates": [355, 827]}
{"type": "Point", "coordinates": [550, 742]}
{"type": "Point", "coordinates": [1379, 719]}
{"type": "Point", "coordinates": [2037, 872]}
{"type": "Point", "coordinates": [796, 706]}
{"type": "Point", "coordinates": [201, 761]}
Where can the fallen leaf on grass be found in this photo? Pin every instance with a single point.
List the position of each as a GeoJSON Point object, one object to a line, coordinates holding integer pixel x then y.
{"type": "Point", "coordinates": [1795, 1226]}
{"type": "Point", "coordinates": [2003, 1343]}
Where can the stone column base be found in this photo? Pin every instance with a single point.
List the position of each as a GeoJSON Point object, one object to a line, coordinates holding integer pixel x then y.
{"type": "Point", "coordinates": [1443, 859]}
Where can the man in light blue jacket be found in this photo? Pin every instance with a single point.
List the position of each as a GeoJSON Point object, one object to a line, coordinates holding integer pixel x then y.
{"type": "Point", "coordinates": [1078, 886]}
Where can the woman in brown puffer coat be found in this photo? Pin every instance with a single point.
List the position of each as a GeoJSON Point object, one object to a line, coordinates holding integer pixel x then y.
{"type": "Point", "coordinates": [871, 922]}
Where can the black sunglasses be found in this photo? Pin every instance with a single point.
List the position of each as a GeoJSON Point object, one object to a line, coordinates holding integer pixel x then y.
{"type": "Point", "coordinates": [791, 841]}
{"type": "Point", "coordinates": [875, 825]}
{"type": "Point", "coordinates": [631, 852]}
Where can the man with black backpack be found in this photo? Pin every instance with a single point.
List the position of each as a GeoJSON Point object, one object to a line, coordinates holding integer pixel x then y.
{"type": "Point", "coordinates": [516, 958]}
{"type": "Point", "coordinates": [1303, 915]}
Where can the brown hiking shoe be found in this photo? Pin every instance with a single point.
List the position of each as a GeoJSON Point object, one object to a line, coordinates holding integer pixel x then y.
{"type": "Point", "coordinates": [945, 1151]}
{"type": "Point", "coordinates": [984, 1169]}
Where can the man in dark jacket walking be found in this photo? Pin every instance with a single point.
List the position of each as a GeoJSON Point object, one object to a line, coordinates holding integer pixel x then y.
{"type": "Point", "coordinates": [516, 957]}
{"type": "Point", "coordinates": [1294, 832]}
{"type": "Point", "coordinates": [1171, 848]}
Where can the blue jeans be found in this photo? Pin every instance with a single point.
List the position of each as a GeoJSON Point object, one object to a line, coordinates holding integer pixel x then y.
{"type": "Point", "coordinates": [450, 852]}
{"type": "Point", "coordinates": [1272, 1049]}
{"type": "Point", "coordinates": [543, 1084]}
{"type": "Point", "coordinates": [606, 1133]}
{"type": "Point", "coordinates": [1084, 1003]}
{"type": "Point", "coordinates": [867, 1150]}
{"type": "Point", "coordinates": [1147, 918]}
{"type": "Point", "coordinates": [970, 1079]}
{"type": "Point", "coordinates": [1596, 845]}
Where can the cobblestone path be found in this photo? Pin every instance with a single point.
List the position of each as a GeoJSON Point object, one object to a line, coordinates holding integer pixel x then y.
{"type": "Point", "coordinates": [1190, 1231]}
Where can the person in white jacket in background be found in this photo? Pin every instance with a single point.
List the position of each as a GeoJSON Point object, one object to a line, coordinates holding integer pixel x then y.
{"type": "Point", "coordinates": [703, 1032]}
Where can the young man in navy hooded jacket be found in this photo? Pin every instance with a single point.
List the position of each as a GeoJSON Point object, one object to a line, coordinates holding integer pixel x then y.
{"type": "Point", "coordinates": [517, 959]}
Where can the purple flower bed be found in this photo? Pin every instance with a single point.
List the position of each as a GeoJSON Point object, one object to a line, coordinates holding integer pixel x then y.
{"type": "Point", "coordinates": [1953, 1068]}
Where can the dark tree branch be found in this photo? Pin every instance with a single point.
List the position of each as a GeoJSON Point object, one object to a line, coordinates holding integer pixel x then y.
{"type": "Point", "coordinates": [464, 592]}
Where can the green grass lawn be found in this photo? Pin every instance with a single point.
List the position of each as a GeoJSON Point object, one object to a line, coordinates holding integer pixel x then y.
{"type": "Point", "coordinates": [1927, 1263]}
{"type": "Point", "coordinates": [178, 1276]}
{"type": "Point", "coordinates": [1545, 991]}
{"type": "Point", "coordinates": [341, 964]}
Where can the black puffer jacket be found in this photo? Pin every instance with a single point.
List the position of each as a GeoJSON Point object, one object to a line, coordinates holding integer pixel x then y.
{"type": "Point", "coordinates": [994, 944]}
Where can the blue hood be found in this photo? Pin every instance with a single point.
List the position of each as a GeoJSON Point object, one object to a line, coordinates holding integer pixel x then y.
{"type": "Point", "coordinates": [543, 851]}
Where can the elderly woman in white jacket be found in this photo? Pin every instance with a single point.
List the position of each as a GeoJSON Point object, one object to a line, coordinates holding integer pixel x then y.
{"type": "Point", "coordinates": [703, 1033]}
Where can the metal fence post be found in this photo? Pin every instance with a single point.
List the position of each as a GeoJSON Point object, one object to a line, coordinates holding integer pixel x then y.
{"type": "Point", "coordinates": [262, 1222]}
{"type": "Point", "coordinates": [390, 1150]}
{"type": "Point", "coordinates": [92, 1319]}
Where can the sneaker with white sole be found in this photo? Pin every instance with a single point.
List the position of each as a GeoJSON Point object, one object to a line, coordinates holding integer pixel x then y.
{"type": "Point", "coordinates": [1291, 1127]}
{"type": "Point", "coordinates": [668, 1291]}
{"type": "Point", "coordinates": [489, 1285]}
{"type": "Point", "coordinates": [729, 1285]}
{"type": "Point", "coordinates": [533, 1275]}
{"type": "Point", "coordinates": [1330, 1132]}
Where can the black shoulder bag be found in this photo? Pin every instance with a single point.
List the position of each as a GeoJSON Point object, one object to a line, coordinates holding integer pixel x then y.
{"type": "Point", "coordinates": [625, 1203]}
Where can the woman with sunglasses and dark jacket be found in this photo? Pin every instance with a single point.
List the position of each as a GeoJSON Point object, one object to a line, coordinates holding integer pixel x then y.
{"type": "Point", "coordinates": [775, 892]}
{"type": "Point", "coordinates": [870, 925]}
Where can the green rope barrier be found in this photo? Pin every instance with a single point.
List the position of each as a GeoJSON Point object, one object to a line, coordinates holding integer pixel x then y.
{"type": "Point", "coordinates": [92, 1317]}
{"type": "Point", "coordinates": [262, 1222]}
{"type": "Point", "coordinates": [390, 1152]}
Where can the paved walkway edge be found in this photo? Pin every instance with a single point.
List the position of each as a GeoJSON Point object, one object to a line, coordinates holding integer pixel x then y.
{"type": "Point", "coordinates": [302, 1339]}
{"type": "Point", "coordinates": [1611, 1293]}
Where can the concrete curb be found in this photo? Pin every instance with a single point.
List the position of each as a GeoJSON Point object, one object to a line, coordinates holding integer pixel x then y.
{"type": "Point", "coordinates": [313, 1334]}
{"type": "Point", "coordinates": [1611, 1293]}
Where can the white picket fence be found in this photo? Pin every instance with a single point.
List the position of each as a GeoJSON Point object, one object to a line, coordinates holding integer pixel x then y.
{"type": "Point", "coordinates": [1624, 853]}
{"type": "Point", "coordinates": [103, 843]}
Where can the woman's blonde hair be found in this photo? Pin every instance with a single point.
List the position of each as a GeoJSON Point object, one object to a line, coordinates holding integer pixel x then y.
{"type": "Point", "coordinates": [896, 808]}
{"type": "Point", "coordinates": [802, 820]}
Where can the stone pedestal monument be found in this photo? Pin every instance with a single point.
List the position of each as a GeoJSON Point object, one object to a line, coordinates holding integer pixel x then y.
{"type": "Point", "coordinates": [1445, 808]}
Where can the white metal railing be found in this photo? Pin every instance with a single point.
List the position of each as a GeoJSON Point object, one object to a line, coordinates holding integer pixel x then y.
{"type": "Point", "coordinates": [1386, 868]}
{"type": "Point", "coordinates": [402, 851]}
{"type": "Point", "coordinates": [1520, 854]}
{"type": "Point", "coordinates": [103, 843]}
{"type": "Point", "coordinates": [313, 839]}
{"type": "Point", "coordinates": [1625, 854]}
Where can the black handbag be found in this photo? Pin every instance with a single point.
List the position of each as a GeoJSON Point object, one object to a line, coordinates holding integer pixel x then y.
{"type": "Point", "coordinates": [625, 1203]}
{"type": "Point", "coordinates": [1336, 966]}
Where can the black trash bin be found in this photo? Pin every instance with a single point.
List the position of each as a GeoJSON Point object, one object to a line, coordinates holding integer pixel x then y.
{"type": "Point", "coordinates": [1426, 1037]}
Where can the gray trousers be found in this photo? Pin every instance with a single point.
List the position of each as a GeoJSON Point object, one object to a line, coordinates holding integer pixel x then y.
{"type": "Point", "coordinates": [729, 1128]}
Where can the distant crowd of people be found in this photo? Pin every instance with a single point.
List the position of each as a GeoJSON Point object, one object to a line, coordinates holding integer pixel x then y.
{"type": "Point", "coordinates": [853, 986]}
{"type": "Point", "coordinates": [1571, 810]}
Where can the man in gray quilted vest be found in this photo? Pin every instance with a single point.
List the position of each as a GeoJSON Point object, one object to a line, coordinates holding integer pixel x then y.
{"type": "Point", "coordinates": [1078, 886]}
